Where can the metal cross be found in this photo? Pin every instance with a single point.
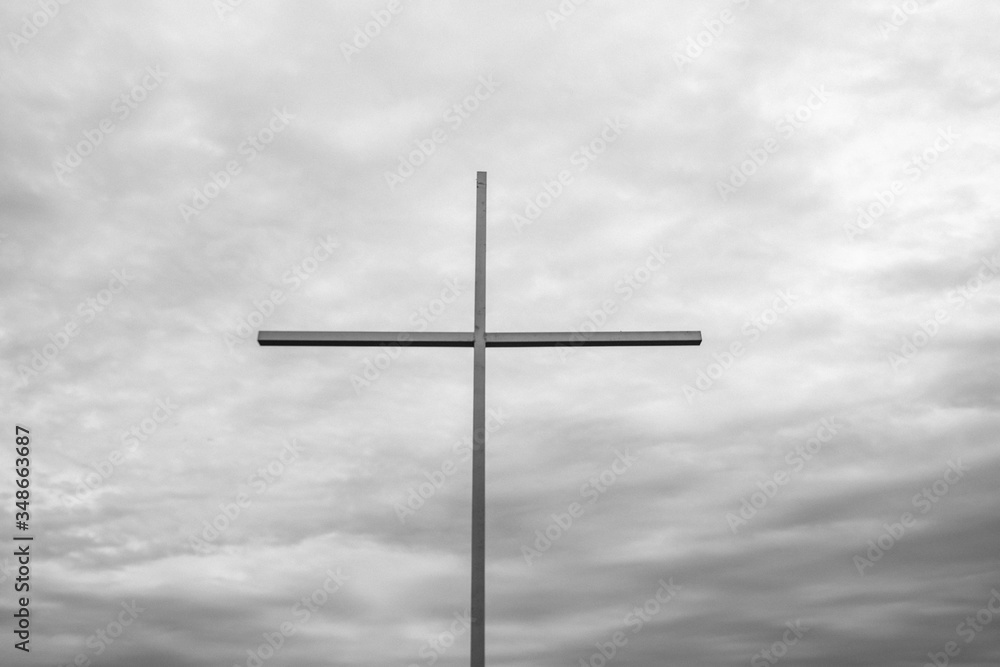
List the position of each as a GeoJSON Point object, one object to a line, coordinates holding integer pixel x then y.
{"type": "Point", "coordinates": [479, 340]}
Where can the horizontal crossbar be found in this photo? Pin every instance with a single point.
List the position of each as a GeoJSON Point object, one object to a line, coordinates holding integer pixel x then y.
{"type": "Point", "coordinates": [460, 339]}
{"type": "Point", "coordinates": [597, 338]}
{"type": "Point", "coordinates": [365, 338]}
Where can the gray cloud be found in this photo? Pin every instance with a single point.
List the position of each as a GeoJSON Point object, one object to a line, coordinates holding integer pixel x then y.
{"type": "Point", "coordinates": [265, 180]}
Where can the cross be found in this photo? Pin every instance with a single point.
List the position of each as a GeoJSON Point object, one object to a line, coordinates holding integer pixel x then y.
{"type": "Point", "coordinates": [478, 340]}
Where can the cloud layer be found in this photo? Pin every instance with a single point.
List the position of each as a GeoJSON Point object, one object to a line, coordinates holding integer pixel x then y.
{"type": "Point", "coordinates": [807, 186]}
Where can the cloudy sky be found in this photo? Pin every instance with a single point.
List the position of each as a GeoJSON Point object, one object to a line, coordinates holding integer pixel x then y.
{"type": "Point", "coordinates": [808, 185]}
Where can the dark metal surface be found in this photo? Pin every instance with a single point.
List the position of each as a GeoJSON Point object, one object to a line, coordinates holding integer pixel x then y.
{"type": "Point", "coordinates": [600, 338]}
{"type": "Point", "coordinates": [366, 338]}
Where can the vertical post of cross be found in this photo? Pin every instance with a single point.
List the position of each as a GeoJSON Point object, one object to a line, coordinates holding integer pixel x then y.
{"type": "Point", "coordinates": [478, 604]}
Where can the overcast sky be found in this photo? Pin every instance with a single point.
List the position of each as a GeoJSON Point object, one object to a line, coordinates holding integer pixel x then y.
{"type": "Point", "coordinates": [810, 185]}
